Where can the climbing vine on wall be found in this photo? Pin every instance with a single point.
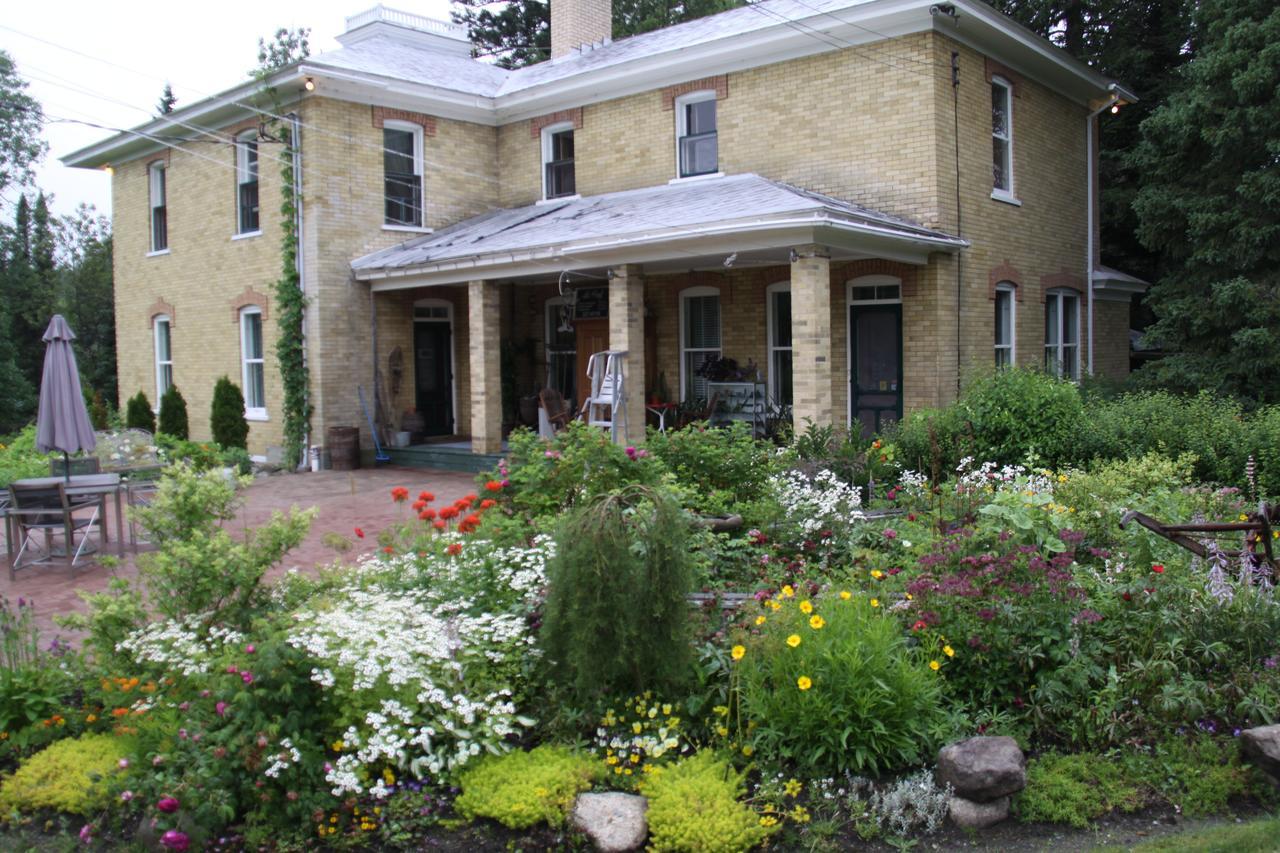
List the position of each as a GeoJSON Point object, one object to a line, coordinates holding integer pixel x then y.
{"type": "Point", "coordinates": [291, 304]}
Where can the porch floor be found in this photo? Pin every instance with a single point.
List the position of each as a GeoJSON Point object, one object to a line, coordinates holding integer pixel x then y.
{"type": "Point", "coordinates": [452, 454]}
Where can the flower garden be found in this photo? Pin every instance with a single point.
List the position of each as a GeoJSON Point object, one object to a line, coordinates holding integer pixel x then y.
{"type": "Point", "coordinates": [578, 624]}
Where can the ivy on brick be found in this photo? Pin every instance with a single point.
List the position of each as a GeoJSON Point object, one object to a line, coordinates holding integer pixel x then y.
{"type": "Point", "coordinates": [292, 302]}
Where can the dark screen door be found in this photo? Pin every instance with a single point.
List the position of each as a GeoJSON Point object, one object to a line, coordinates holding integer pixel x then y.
{"type": "Point", "coordinates": [433, 374]}
{"type": "Point", "coordinates": [876, 388]}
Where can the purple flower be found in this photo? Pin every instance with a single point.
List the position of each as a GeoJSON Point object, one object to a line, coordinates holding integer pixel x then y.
{"type": "Point", "coordinates": [168, 805]}
{"type": "Point", "coordinates": [122, 763]}
{"type": "Point", "coordinates": [890, 533]}
{"type": "Point", "coordinates": [86, 831]}
{"type": "Point", "coordinates": [246, 677]}
{"type": "Point", "coordinates": [232, 669]}
{"type": "Point", "coordinates": [220, 709]}
{"type": "Point", "coordinates": [175, 840]}
{"type": "Point", "coordinates": [126, 796]}
{"type": "Point", "coordinates": [184, 706]}
{"type": "Point", "coordinates": [1270, 663]}
{"type": "Point", "coordinates": [249, 649]}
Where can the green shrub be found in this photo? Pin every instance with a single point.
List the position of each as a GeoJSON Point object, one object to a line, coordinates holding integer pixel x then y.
{"type": "Point", "coordinates": [226, 417]}
{"type": "Point", "coordinates": [173, 414]}
{"type": "Point", "coordinates": [19, 458]}
{"type": "Point", "coordinates": [98, 412]}
{"type": "Point", "coordinates": [1020, 414]}
{"type": "Point", "coordinates": [521, 789]}
{"type": "Point", "coordinates": [832, 686]}
{"type": "Point", "coordinates": [1263, 443]}
{"type": "Point", "coordinates": [616, 619]}
{"type": "Point", "coordinates": [238, 459]}
{"type": "Point", "coordinates": [931, 441]}
{"type": "Point", "coordinates": [69, 776]}
{"type": "Point", "coordinates": [138, 414]}
{"type": "Point", "coordinates": [722, 469]}
{"type": "Point", "coordinates": [200, 455]}
{"type": "Point", "coordinates": [1200, 775]}
{"type": "Point", "coordinates": [1075, 789]}
{"type": "Point", "coordinates": [694, 808]}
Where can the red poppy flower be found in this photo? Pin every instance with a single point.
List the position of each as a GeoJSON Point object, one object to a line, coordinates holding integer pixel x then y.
{"type": "Point", "coordinates": [389, 550]}
{"type": "Point", "coordinates": [493, 486]}
{"type": "Point", "coordinates": [419, 506]}
{"type": "Point", "coordinates": [439, 525]}
{"type": "Point", "coordinates": [919, 626]}
{"type": "Point", "coordinates": [469, 499]}
{"type": "Point", "coordinates": [454, 549]}
{"type": "Point", "coordinates": [449, 512]}
{"type": "Point", "coordinates": [488, 503]}
{"type": "Point", "coordinates": [359, 533]}
{"type": "Point", "coordinates": [399, 494]}
{"type": "Point", "coordinates": [1126, 596]}
{"type": "Point", "coordinates": [427, 514]}
{"type": "Point", "coordinates": [426, 496]}
{"type": "Point", "coordinates": [472, 520]}
{"type": "Point", "coordinates": [1158, 569]}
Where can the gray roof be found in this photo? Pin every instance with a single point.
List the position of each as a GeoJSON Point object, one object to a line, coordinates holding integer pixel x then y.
{"type": "Point", "coordinates": [400, 60]}
{"type": "Point", "coordinates": [681, 210]}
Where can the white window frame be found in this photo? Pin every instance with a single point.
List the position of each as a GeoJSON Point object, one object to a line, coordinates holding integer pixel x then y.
{"type": "Point", "coordinates": [1055, 350]}
{"type": "Point", "coordinates": [253, 413]}
{"type": "Point", "coordinates": [419, 169]}
{"type": "Point", "coordinates": [1008, 291]}
{"type": "Point", "coordinates": [158, 171]}
{"type": "Point", "coordinates": [682, 131]}
{"type": "Point", "coordinates": [548, 132]}
{"type": "Point", "coordinates": [875, 280]}
{"type": "Point", "coordinates": [771, 322]}
{"type": "Point", "coordinates": [161, 363]}
{"type": "Point", "coordinates": [1008, 193]}
{"type": "Point", "coordinates": [245, 142]}
{"type": "Point", "coordinates": [684, 296]}
{"type": "Point", "coordinates": [453, 350]}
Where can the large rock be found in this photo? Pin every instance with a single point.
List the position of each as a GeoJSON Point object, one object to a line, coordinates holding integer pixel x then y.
{"type": "Point", "coordinates": [967, 814]}
{"type": "Point", "coordinates": [614, 822]}
{"type": "Point", "coordinates": [983, 768]}
{"type": "Point", "coordinates": [1261, 746]}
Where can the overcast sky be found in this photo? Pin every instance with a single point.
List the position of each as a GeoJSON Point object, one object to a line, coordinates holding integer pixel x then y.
{"type": "Point", "coordinates": [135, 48]}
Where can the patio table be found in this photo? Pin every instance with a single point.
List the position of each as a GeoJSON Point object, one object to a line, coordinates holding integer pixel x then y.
{"type": "Point", "coordinates": [99, 486]}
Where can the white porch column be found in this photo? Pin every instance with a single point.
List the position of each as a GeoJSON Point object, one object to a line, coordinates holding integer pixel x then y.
{"type": "Point", "coordinates": [626, 332]}
{"type": "Point", "coordinates": [811, 336]}
{"type": "Point", "coordinates": [483, 314]}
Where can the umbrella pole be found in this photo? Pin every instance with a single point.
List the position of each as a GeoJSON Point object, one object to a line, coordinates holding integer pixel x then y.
{"type": "Point", "coordinates": [66, 467]}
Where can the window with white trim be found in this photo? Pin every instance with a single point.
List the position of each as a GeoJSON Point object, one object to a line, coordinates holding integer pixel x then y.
{"type": "Point", "coordinates": [1005, 331]}
{"type": "Point", "coordinates": [557, 161]}
{"type": "Point", "coordinates": [1062, 333]}
{"type": "Point", "coordinates": [562, 347]}
{"type": "Point", "coordinates": [247, 220]}
{"type": "Point", "coordinates": [161, 326]}
{"type": "Point", "coordinates": [697, 148]}
{"type": "Point", "coordinates": [699, 338]}
{"type": "Point", "coordinates": [780, 353]}
{"type": "Point", "coordinates": [1001, 137]}
{"type": "Point", "coordinates": [402, 173]}
{"type": "Point", "coordinates": [159, 210]}
{"type": "Point", "coordinates": [253, 369]}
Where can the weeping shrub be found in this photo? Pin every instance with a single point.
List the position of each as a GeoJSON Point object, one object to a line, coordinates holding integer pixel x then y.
{"type": "Point", "coordinates": [617, 620]}
{"type": "Point", "coordinates": [173, 414]}
{"type": "Point", "coordinates": [226, 417]}
{"type": "Point", "coordinates": [138, 414]}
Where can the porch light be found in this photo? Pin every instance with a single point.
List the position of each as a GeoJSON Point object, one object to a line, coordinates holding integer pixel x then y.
{"type": "Point", "coordinates": [309, 84]}
{"type": "Point", "coordinates": [1115, 108]}
{"type": "Point", "coordinates": [108, 170]}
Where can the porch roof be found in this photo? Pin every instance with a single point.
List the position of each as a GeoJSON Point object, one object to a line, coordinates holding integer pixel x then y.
{"type": "Point", "coordinates": [686, 224]}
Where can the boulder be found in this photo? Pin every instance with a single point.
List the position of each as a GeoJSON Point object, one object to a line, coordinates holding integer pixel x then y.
{"type": "Point", "coordinates": [967, 814]}
{"type": "Point", "coordinates": [982, 769]}
{"type": "Point", "coordinates": [1261, 747]}
{"type": "Point", "coordinates": [614, 822]}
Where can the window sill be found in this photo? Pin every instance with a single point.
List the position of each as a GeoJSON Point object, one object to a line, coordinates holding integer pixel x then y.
{"type": "Point", "coordinates": [558, 199]}
{"type": "Point", "coordinates": [409, 229]}
{"type": "Point", "coordinates": [157, 253]}
{"type": "Point", "coordinates": [1007, 198]}
{"type": "Point", "coordinates": [257, 415]}
{"type": "Point", "coordinates": [246, 235]}
{"type": "Point", "coordinates": [707, 177]}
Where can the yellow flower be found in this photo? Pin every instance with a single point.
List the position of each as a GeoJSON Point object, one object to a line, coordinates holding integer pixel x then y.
{"type": "Point", "coordinates": [910, 596]}
{"type": "Point", "coordinates": [723, 731]}
{"type": "Point", "coordinates": [875, 602]}
{"type": "Point", "coordinates": [816, 622]}
{"type": "Point", "coordinates": [877, 574]}
{"type": "Point", "coordinates": [666, 709]}
{"type": "Point", "coordinates": [792, 788]}
{"type": "Point", "coordinates": [799, 814]}
{"type": "Point", "coordinates": [787, 591]}
{"type": "Point", "coordinates": [1244, 517]}
{"type": "Point", "coordinates": [793, 640]}
{"type": "Point", "coordinates": [775, 606]}
{"type": "Point", "coordinates": [934, 665]}
{"type": "Point", "coordinates": [768, 820]}
{"type": "Point", "coordinates": [845, 594]}
{"type": "Point", "coordinates": [637, 728]}
{"type": "Point", "coordinates": [635, 758]}
{"type": "Point", "coordinates": [804, 682]}
{"type": "Point", "coordinates": [806, 606]}
{"type": "Point", "coordinates": [738, 652]}
{"type": "Point", "coordinates": [748, 750]}
{"type": "Point", "coordinates": [611, 760]}
{"type": "Point", "coordinates": [948, 651]}
{"type": "Point", "coordinates": [388, 776]}
{"type": "Point", "coordinates": [760, 620]}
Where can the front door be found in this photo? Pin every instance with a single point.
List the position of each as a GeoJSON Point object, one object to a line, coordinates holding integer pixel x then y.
{"type": "Point", "coordinates": [593, 337]}
{"type": "Point", "coordinates": [433, 376]}
{"type": "Point", "coordinates": [876, 346]}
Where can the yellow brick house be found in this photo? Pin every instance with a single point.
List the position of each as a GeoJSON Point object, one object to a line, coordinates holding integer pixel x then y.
{"type": "Point", "coordinates": [861, 202]}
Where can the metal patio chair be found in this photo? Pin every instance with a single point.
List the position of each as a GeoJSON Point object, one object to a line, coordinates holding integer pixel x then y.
{"type": "Point", "coordinates": [37, 508]}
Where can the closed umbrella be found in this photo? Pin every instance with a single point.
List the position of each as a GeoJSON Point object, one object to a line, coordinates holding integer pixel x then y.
{"type": "Point", "coordinates": [63, 422]}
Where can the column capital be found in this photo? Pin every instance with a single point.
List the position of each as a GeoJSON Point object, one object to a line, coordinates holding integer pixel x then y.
{"type": "Point", "coordinates": [626, 271]}
{"type": "Point", "coordinates": [809, 250]}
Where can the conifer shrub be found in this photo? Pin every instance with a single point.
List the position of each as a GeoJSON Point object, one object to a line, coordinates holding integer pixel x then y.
{"type": "Point", "coordinates": [98, 411]}
{"type": "Point", "coordinates": [521, 789]}
{"type": "Point", "coordinates": [226, 418]}
{"type": "Point", "coordinates": [138, 414]}
{"type": "Point", "coordinates": [616, 619]}
{"type": "Point", "coordinates": [173, 414]}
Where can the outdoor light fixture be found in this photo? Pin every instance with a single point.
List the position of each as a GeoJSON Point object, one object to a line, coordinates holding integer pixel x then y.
{"type": "Point", "coordinates": [1115, 108]}
{"type": "Point", "coordinates": [309, 84]}
{"type": "Point", "coordinates": [108, 170]}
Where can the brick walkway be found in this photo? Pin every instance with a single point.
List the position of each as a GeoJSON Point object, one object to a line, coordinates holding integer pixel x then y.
{"type": "Point", "coordinates": [346, 500]}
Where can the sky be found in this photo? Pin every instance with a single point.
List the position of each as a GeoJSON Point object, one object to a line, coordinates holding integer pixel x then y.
{"type": "Point", "coordinates": [107, 63]}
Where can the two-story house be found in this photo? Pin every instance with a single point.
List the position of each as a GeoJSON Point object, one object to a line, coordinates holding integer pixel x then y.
{"type": "Point", "coordinates": [869, 199]}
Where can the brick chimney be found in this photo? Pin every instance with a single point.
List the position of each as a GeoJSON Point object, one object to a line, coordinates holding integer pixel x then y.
{"type": "Point", "coordinates": [578, 22]}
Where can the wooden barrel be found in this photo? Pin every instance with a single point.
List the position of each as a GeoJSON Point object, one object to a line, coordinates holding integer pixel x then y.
{"type": "Point", "coordinates": [344, 448]}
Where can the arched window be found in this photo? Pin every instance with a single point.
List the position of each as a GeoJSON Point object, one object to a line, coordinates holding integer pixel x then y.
{"type": "Point", "coordinates": [161, 325]}
{"type": "Point", "coordinates": [253, 365]}
{"type": "Point", "coordinates": [1005, 326]}
{"type": "Point", "coordinates": [699, 338]}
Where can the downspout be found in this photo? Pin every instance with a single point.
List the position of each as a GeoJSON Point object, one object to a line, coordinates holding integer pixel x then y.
{"type": "Point", "coordinates": [1091, 158]}
{"type": "Point", "coordinates": [955, 109]}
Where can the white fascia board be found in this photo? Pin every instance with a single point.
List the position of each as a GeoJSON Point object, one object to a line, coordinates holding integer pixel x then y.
{"type": "Point", "coordinates": [220, 109]}
{"type": "Point", "coordinates": [347, 85]}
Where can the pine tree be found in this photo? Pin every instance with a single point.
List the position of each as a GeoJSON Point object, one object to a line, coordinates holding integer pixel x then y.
{"type": "Point", "coordinates": [226, 418]}
{"type": "Point", "coordinates": [173, 414]}
{"type": "Point", "coordinates": [167, 100]}
{"type": "Point", "coordinates": [138, 414]}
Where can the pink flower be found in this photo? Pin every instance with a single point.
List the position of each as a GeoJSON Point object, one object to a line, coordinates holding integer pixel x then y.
{"type": "Point", "coordinates": [232, 669]}
{"type": "Point", "coordinates": [890, 533]}
{"type": "Point", "coordinates": [182, 734]}
{"type": "Point", "coordinates": [175, 840]}
{"type": "Point", "coordinates": [122, 763]}
{"type": "Point", "coordinates": [168, 805]}
{"type": "Point", "coordinates": [220, 709]}
{"type": "Point", "coordinates": [359, 533]}
{"type": "Point", "coordinates": [86, 833]}
{"type": "Point", "coordinates": [157, 761]}
{"type": "Point", "coordinates": [205, 694]}
{"type": "Point", "coordinates": [246, 677]}
{"type": "Point", "coordinates": [249, 649]}
{"type": "Point", "coordinates": [184, 706]}
{"type": "Point", "coordinates": [126, 796]}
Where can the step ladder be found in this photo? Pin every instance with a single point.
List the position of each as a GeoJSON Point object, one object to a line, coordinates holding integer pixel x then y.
{"type": "Point", "coordinates": [606, 404]}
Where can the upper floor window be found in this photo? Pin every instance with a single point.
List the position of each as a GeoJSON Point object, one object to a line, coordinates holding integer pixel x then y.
{"type": "Point", "coordinates": [247, 182]}
{"type": "Point", "coordinates": [696, 145]}
{"type": "Point", "coordinates": [699, 338]}
{"type": "Point", "coordinates": [1001, 137]}
{"type": "Point", "coordinates": [1062, 333]}
{"type": "Point", "coordinates": [159, 209]}
{"type": "Point", "coordinates": [557, 161]}
{"type": "Point", "coordinates": [1004, 337]}
{"type": "Point", "coordinates": [402, 173]}
{"type": "Point", "coordinates": [160, 326]}
{"type": "Point", "coordinates": [252, 362]}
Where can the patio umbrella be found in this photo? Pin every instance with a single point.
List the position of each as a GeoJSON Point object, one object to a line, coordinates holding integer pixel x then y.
{"type": "Point", "coordinates": [63, 422]}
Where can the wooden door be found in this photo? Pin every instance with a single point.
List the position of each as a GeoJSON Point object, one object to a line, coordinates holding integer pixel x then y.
{"type": "Point", "coordinates": [433, 376]}
{"type": "Point", "coordinates": [876, 381]}
{"type": "Point", "coordinates": [593, 337]}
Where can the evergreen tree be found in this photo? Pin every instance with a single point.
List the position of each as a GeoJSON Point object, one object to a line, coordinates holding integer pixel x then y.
{"type": "Point", "coordinates": [17, 396]}
{"type": "Point", "coordinates": [21, 146]}
{"type": "Point", "coordinates": [138, 414]}
{"type": "Point", "coordinates": [167, 100]}
{"type": "Point", "coordinates": [1210, 165]}
{"type": "Point", "coordinates": [86, 295]}
{"type": "Point", "coordinates": [173, 414]}
{"type": "Point", "coordinates": [226, 418]}
{"type": "Point", "coordinates": [285, 48]}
